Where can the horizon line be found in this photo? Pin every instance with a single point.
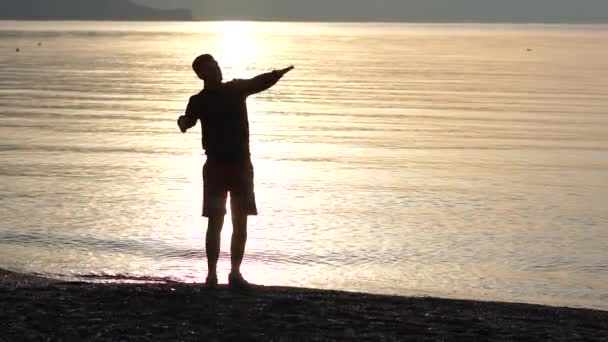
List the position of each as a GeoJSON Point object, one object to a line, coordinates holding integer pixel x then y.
{"type": "Point", "coordinates": [330, 21]}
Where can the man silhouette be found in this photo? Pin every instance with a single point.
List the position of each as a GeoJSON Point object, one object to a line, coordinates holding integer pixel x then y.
{"type": "Point", "coordinates": [221, 107]}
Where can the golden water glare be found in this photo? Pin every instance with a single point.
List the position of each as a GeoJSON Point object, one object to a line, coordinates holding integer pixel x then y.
{"type": "Point", "coordinates": [237, 46]}
{"type": "Point", "coordinates": [394, 159]}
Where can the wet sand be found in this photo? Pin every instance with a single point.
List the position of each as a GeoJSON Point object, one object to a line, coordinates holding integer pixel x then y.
{"type": "Point", "coordinates": [39, 309]}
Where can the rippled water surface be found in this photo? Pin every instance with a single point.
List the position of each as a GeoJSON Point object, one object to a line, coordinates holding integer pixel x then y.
{"type": "Point", "coordinates": [463, 161]}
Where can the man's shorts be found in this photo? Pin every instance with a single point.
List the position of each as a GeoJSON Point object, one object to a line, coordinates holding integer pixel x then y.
{"type": "Point", "coordinates": [221, 177]}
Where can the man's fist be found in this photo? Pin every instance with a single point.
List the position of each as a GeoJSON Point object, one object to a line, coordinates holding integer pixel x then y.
{"type": "Point", "coordinates": [181, 122]}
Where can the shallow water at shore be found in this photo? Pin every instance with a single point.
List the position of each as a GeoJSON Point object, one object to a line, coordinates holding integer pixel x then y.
{"type": "Point", "coordinates": [401, 159]}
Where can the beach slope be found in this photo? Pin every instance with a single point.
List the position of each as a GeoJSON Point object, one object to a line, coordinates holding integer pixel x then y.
{"type": "Point", "coordinates": [39, 309]}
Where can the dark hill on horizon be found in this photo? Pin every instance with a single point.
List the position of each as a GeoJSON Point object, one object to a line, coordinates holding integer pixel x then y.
{"type": "Point", "coordinates": [86, 10]}
{"type": "Point", "coordinates": [511, 11]}
{"type": "Point", "coordinates": [514, 11]}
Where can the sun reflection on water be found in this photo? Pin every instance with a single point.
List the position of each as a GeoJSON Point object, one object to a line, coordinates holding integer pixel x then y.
{"type": "Point", "coordinates": [237, 47]}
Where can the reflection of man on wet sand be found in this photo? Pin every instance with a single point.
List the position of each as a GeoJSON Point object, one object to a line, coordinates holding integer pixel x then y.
{"type": "Point", "coordinates": [221, 107]}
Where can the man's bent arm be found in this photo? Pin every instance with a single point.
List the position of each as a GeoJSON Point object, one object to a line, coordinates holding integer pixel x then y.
{"type": "Point", "coordinates": [188, 120]}
{"type": "Point", "coordinates": [264, 81]}
{"type": "Point", "coordinates": [185, 122]}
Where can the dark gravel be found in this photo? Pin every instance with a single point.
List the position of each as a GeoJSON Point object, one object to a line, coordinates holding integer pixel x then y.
{"type": "Point", "coordinates": [38, 309]}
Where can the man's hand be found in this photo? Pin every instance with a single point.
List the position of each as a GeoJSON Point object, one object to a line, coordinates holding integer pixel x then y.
{"type": "Point", "coordinates": [286, 70]}
{"type": "Point", "coordinates": [184, 123]}
{"type": "Point", "coordinates": [263, 81]}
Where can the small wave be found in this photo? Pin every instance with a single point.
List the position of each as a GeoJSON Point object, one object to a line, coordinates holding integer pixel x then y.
{"type": "Point", "coordinates": [148, 247]}
{"type": "Point", "coordinates": [39, 34]}
{"type": "Point", "coordinates": [124, 278]}
{"type": "Point", "coordinates": [83, 149]}
{"type": "Point", "coordinates": [161, 250]}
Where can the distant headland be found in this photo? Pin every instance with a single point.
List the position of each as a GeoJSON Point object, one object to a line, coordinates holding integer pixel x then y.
{"type": "Point", "coordinates": [86, 10]}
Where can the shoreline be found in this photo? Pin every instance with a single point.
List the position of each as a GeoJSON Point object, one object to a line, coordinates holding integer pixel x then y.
{"type": "Point", "coordinates": [37, 308]}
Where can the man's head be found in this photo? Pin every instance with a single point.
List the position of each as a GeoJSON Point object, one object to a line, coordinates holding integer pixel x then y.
{"type": "Point", "coordinates": [207, 69]}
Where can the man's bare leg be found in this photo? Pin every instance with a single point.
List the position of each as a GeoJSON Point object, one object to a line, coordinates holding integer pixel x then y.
{"type": "Point", "coordinates": [212, 245]}
{"type": "Point", "coordinates": [239, 240]}
{"type": "Point", "coordinates": [237, 251]}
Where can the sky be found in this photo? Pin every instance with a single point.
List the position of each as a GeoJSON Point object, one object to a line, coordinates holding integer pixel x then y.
{"type": "Point", "coordinates": [397, 10]}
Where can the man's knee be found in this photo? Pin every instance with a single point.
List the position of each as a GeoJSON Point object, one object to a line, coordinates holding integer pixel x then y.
{"type": "Point", "coordinates": [239, 223]}
{"type": "Point", "coordinates": [216, 222]}
{"type": "Point", "coordinates": [239, 217]}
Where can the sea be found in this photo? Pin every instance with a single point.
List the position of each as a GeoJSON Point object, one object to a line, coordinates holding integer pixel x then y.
{"type": "Point", "coordinates": [451, 160]}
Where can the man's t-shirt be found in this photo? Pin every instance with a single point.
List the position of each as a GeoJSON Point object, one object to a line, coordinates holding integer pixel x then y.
{"type": "Point", "coordinates": [224, 120]}
{"type": "Point", "coordinates": [223, 115]}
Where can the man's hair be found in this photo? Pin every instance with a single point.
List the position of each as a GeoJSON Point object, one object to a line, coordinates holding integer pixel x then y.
{"type": "Point", "coordinates": [200, 61]}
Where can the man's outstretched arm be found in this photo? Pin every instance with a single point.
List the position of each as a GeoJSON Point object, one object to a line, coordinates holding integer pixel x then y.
{"type": "Point", "coordinates": [264, 81]}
